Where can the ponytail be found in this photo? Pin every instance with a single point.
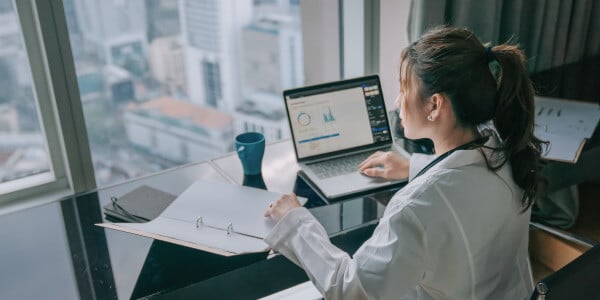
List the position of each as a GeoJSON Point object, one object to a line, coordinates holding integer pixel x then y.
{"type": "Point", "coordinates": [483, 84]}
{"type": "Point", "coordinates": [514, 120]}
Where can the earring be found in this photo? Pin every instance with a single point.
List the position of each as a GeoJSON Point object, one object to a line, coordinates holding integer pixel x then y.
{"type": "Point", "coordinates": [430, 118]}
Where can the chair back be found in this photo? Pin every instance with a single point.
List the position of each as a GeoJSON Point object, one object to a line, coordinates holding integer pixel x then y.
{"type": "Point", "coordinates": [579, 279]}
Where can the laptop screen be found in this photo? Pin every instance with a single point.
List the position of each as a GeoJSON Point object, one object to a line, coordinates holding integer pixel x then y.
{"type": "Point", "coordinates": [334, 117]}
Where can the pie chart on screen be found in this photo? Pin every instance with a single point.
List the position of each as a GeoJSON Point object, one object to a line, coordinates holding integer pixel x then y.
{"type": "Point", "coordinates": [303, 119]}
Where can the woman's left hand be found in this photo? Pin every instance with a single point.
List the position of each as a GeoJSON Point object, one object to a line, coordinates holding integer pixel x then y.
{"type": "Point", "coordinates": [278, 209]}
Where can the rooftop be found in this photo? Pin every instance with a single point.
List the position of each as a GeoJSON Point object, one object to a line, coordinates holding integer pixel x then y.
{"type": "Point", "coordinates": [184, 111]}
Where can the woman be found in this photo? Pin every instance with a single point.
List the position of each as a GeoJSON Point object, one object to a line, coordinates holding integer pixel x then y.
{"type": "Point", "coordinates": [459, 228]}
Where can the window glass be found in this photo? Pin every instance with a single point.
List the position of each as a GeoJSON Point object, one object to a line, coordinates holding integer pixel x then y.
{"type": "Point", "coordinates": [23, 146]}
{"type": "Point", "coordinates": [168, 82]}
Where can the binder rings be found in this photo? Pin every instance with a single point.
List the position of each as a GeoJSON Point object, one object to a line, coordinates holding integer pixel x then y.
{"type": "Point", "coordinates": [216, 217]}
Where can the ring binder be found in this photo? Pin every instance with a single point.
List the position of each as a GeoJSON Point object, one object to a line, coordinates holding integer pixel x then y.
{"type": "Point", "coordinates": [140, 205]}
{"type": "Point", "coordinates": [202, 218]}
{"type": "Point", "coordinates": [228, 230]}
{"type": "Point", "coordinates": [114, 200]}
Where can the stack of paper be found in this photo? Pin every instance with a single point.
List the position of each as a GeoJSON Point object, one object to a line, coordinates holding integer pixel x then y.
{"type": "Point", "coordinates": [217, 217]}
{"type": "Point", "coordinates": [566, 124]}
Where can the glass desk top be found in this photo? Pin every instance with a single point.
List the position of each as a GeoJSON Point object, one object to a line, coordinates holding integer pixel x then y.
{"type": "Point", "coordinates": [55, 251]}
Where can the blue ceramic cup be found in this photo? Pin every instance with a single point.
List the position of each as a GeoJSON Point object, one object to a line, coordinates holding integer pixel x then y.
{"type": "Point", "coordinates": [250, 147]}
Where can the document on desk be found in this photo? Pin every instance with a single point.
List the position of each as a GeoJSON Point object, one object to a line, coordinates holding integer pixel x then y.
{"type": "Point", "coordinates": [217, 217]}
{"type": "Point", "coordinates": [566, 124]}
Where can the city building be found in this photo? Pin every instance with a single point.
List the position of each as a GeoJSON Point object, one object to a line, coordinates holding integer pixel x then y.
{"type": "Point", "coordinates": [211, 36]}
{"type": "Point", "coordinates": [268, 7]}
{"type": "Point", "coordinates": [167, 63]}
{"type": "Point", "coordinates": [264, 113]}
{"type": "Point", "coordinates": [178, 131]}
{"type": "Point", "coordinates": [114, 31]}
{"type": "Point", "coordinates": [14, 69]}
{"type": "Point", "coordinates": [109, 82]}
{"type": "Point", "coordinates": [21, 153]}
{"type": "Point", "coordinates": [9, 119]}
{"type": "Point", "coordinates": [272, 62]}
{"type": "Point", "coordinates": [272, 54]}
{"type": "Point", "coordinates": [162, 18]}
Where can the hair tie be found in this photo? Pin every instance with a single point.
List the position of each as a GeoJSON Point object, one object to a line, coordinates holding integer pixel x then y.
{"type": "Point", "coordinates": [490, 54]}
{"type": "Point", "coordinates": [493, 65]}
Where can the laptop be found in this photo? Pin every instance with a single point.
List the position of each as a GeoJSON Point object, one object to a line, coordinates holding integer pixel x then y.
{"type": "Point", "coordinates": [335, 126]}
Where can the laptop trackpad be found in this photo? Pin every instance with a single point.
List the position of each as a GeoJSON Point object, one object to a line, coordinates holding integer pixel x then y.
{"type": "Point", "coordinates": [372, 179]}
{"type": "Point", "coordinates": [349, 183]}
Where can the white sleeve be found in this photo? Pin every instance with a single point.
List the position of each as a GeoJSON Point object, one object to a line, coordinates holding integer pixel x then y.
{"type": "Point", "coordinates": [387, 265]}
{"type": "Point", "coordinates": [418, 161]}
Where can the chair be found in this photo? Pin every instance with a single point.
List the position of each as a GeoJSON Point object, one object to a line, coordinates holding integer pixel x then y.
{"type": "Point", "coordinates": [579, 279]}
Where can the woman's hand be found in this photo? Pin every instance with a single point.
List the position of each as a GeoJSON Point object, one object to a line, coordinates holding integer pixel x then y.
{"type": "Point", "coordinates": [386, 165]}
{"type": "Point", "coordinates": [282, 206]}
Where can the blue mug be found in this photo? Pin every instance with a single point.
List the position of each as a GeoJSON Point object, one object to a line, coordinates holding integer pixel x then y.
{"type": "Point", "coordinates": [250, 147]}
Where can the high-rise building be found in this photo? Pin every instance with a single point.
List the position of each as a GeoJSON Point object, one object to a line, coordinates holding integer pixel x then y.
{"type": "Point", "coordinates": [163, 18]}
{"type": "Point", "coordinates": [272, 54]}
{"type": "Point", "coordinates": [114, 31]}
{"type": "Point", "coordinates": [272, 62]}
{"type": "Point", "coordinates": [211, 36]}
{"type": "Point", "coordinates": [167, 63]}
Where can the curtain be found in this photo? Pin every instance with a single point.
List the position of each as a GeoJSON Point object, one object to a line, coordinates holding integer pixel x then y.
{"type": "Point", "coordinates": [551, 32]}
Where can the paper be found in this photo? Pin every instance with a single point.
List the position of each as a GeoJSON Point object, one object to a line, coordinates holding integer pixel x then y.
{"type": "Point", "coordinates": [566, 124]}
{"type": "Point", "coordinates": [218, 204]}
{"type": "Point", "coordinates": [566, 117]}
{"type": "Point", "coordinates": [561, 148]}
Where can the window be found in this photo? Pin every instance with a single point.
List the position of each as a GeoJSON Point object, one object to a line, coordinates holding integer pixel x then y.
{"type": "Point", "coordinates": [212, 83]}
{"type": "Point", "coordinates": [179, 78]}
{"type": "Point", "coordinates": [119, 100]}
{"type": "Point", "coordinates": [24, 154]}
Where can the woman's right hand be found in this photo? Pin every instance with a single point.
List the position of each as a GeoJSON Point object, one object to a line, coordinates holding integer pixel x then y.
{"type": "Point", "coordinates": [278, 209]}
{"type": "Point", "coordinates": [388, 165]}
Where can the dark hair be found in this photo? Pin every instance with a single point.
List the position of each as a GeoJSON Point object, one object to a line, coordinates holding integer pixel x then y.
{"type": "Point", "coordinates": [453, 62]}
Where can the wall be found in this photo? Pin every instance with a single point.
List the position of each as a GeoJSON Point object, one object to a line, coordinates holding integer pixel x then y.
{"type": "Point", "coordinates": [393, 38]}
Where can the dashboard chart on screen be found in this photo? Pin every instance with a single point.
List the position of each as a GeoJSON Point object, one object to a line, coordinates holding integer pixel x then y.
{"type": "Point", "coordinates": [331, 121]}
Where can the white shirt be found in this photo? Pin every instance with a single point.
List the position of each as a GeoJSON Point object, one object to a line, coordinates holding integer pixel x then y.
{"type": "Point", "coordinates": [455, 232]}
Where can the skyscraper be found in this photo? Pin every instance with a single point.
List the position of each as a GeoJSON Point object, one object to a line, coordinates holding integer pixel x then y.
{"type": "Point", "coordinates": [114, 31]}
{"type": "Point", "coordinates": [272, 54]}
{"type": "Point", "coordinates": [167, 63]}
{"type": "Point", "coordinates": [211, 36]}
{"type": "Point", "coordinates": [163, 18]}
{"type": "Point", "coordinates": [272, 62]}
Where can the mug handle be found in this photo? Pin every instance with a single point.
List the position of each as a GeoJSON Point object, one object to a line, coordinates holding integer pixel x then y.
{"type": "Point", "coordinates": [240, 150]}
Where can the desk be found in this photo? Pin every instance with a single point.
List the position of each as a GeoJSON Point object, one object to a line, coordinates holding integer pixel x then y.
{"type": "Point", "coordinates": [54, 251]}
{"type": "Point", "coordinates": [548, 250]}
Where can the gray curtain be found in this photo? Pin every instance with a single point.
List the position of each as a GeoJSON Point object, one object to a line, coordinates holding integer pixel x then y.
{"type": "Point", "coordinates": [551, 32]}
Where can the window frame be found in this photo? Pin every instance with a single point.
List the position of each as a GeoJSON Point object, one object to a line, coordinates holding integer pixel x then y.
{"type": "Point", "coordinates": [54, 84]}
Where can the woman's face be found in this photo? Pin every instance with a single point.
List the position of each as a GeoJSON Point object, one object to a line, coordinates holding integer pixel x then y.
{"type": "Point", "coordinates": [412, 109]}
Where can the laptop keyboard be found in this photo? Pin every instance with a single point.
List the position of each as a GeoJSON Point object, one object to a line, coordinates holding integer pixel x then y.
{"type": "Point", "coordinates": [338, 166]}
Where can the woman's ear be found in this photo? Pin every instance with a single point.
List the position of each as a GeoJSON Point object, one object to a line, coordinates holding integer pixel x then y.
{"type": "Point", "coordinates": [437, 102]}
